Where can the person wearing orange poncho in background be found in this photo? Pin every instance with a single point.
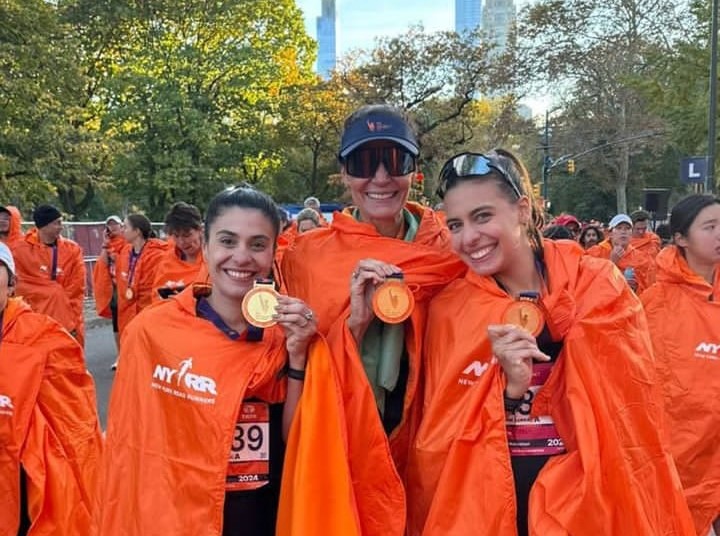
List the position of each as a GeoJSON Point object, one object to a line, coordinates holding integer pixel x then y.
{"type": "Point", "coordinates": [637, 267]}
{"type": "Point", "coordinates": [50, 441]}
{"type": "Point", "coordinates": [135, 269]}
{"type": "Point", "coordinates": [288, 232]}
{"type": "Point", "coordinates": [51, 271]}
{"type": "Point", "coordinates": [364, 404]}
{"type": "Point", "coordinates": [183, 263]}
{"type": "Point", "coordinates": [542, 415]}
{"type": "Point", "coordinates": [104, 277]}
{"type": "Point", "coordinates": [313, 203]}
{"type": "Point", "coordinates": [642, 236]}
{"type": "Point", "coordinates": [683, 309]}
{"type": "Point", "coordinates": [203, 400]}
{"type": "Point", "coordinates": [10, 222]}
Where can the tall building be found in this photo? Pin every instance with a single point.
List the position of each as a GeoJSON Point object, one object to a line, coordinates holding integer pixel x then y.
{"type": "Point", "coordinates": [327, 38]}
{"type": "Point", "coordinates": [498, 20]}
{"type": "Point", "coordinates": [468, 15]}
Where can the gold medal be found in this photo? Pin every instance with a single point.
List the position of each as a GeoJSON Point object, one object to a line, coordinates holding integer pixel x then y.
{"type": "Point", "coordinates": [129, 294]}
{"type": "Point", "coordinates": [259, 304]}
{"type": "Point", "coordinates": [393, 302]}
{"type": "Point", "coordinates": [525, 314]}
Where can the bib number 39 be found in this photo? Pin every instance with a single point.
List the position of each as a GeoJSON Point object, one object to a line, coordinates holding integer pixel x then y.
{"type": "Point", "coordinates": [249, 461]}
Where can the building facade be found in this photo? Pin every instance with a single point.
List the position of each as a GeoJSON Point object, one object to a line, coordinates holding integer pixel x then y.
{"type": "Point", "coordinates": [468, 15]}
{"type": "Point", "coordinates": [498, 20]}
{"type": "Point", "coordinates": [327, 39]}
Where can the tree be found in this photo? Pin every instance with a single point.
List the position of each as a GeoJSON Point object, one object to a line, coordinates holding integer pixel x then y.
{"type": "Point", "coordinates": [592, 50]}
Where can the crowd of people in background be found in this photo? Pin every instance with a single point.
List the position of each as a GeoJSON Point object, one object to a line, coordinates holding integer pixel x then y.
{"type": "Point", "coordinates": [397, 370]}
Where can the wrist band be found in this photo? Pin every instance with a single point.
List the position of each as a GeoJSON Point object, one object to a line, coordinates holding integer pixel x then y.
{"type": "Point", "coordinates": [296, 374]}
{"type": "Point", "coordinates": [512, 404]}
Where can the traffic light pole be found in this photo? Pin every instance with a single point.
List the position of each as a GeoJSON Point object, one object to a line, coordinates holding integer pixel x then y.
{"type": "Point", "coordinates": [712, 108]}
{"type": "Point", "coordinates": [547, 161]}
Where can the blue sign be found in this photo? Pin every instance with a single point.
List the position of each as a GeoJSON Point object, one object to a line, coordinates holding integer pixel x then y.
{"type": "Point", "coordinates": [693, 170]}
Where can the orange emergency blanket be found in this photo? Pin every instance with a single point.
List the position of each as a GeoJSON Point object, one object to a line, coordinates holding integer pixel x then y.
{"type": "Point", "coordinates": [14, 233]}
{"type": "Point", "coordinates": [685, 332]}
{"type": "Point", "coordinates": [60, 298]}
{"type": "Point", "coordinates": [317, 269]}
{"type": "Point", "coordinates": [650, 244]}
{"type": "Point", "coordinates": [642, 263]}
{"type": "Point", "coordinates": [174, 274]}
{"type": "Point", "coordinates": [48, 425]}
{"type": "Point", "coordinates": [179, 387]}
{"type": "Point", "coordinates": [104, 277]}
{"type": "Point", "coordinates": [615, 478]}
{"type": "Point", "coordinates": [143, 278]}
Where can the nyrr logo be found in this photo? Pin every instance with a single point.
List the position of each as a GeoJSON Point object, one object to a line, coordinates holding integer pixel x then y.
{"type": "Point", "coordinates": [474, 370]}
{"type": "Point", "coordinates": [183, 378]}
{"type": "Point", "coordinates": [708, 350]}
{"type": "Point", "coordinates": [6, 405]}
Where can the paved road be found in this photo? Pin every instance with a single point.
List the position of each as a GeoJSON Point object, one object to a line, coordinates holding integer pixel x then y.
{"type": "Point", "coordinates": [99, 355]}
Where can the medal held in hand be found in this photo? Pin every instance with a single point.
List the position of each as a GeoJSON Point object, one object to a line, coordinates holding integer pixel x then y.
{"type": "Point", "coordinates": [393, 302]}
{"type": "Point", "coordinates": [526, 313]}
{"type": "Point", "coordinates": [259, 304]}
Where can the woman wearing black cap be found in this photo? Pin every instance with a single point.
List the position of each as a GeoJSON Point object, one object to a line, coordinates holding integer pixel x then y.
{"type": "Point", "coordinates": [336, 270]}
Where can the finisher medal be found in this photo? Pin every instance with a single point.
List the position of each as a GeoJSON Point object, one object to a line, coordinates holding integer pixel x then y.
{"type": "Point", "coordinates": [129, 294]}
{"type": "Point", "coordinates": [393, 302]}
{"type": "Point", "coordinates": [259, 304]}
{"type": "Point", "coordinates": [527, 314]}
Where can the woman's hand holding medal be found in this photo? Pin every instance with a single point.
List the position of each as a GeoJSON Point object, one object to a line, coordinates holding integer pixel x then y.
{"type": "Point", "coordinates": [376, 289]}
{"type": "Point", "coordinates": [515, 349]}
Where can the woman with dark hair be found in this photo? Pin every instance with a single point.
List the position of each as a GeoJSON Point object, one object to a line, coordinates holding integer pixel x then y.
{"type": "Point", "coordinates": [135, 269]}
{"type": "Point", "coordinates": [591, 236]}
{"type": "Point", "coordinates": [376, 374]}
{"type": "Point", "coordinates": [558, 232]}
{"type": "Point", "coordinates": [683, 309]}
{"type": "Point", "coordinates": [208, 386]}
{"type": "Point", "coordinates": [183, 262]}
{"type": "Point", "coordinates": [541, 414]}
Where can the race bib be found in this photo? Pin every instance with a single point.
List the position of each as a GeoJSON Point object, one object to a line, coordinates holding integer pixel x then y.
{"type": "Point", "coordinates": [249, 462]}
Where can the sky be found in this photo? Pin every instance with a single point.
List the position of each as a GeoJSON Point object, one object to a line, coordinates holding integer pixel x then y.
{"type": "Point", "coordinates": [361, 22]}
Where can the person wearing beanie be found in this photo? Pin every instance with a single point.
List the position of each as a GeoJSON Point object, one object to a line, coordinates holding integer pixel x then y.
{"type": "Point", "coordinates": [637, 266]}
{"type": "Point", "coordinates": [51, 272]}
{"type": "Point", "coordinates": [50, 439]}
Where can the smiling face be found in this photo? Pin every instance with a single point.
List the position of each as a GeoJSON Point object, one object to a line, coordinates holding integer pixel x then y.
{"type": "Point", "coordinates": [382, 197]}
{"type": "Point", "coordinates": [239, 250]}
{"type": "Point", "coordinates": [702, 243]}
{"type": "Point", "coordinates": [488, 231]}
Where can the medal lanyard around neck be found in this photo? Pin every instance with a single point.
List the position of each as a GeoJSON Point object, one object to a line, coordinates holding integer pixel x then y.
{"type": "Point", "coordinates": [2, 318]}
{"type": "Point", "coordinates": [134, 258]}
{"type": "Point", "coordinates": [53, 270]}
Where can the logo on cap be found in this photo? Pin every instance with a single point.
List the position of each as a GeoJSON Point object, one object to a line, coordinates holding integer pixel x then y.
{"type": "Point", "coordinates": [377, 126]}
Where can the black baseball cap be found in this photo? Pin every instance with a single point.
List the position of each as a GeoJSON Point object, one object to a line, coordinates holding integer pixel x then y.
{"type": "Point", "coordinates": [377, 122]}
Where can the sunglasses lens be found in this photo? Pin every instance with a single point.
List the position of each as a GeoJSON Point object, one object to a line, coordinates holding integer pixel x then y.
{"type": "Point", "coordinates": [471, 165]}
{"type": "Point", "coordinates": [363, 162]}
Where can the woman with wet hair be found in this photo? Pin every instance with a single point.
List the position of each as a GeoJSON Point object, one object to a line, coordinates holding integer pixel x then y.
{"type": "Point", "coordinates": [541, 413]}
{"type": "Point", "coordinates": [683, 309]}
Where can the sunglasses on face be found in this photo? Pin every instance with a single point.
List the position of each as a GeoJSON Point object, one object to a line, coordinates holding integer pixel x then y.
{"type": "Point", "coordinates": [363, 162]}
{"type": "Point", "coordinates": [472, 165]}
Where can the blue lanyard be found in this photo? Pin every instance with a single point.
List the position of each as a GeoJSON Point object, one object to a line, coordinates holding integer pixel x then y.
{"type": "Point", "coordinates": [53, 270]}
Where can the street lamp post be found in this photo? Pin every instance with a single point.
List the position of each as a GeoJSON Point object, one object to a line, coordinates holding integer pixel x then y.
{"type": "Point", "coordinates": [712, 108]}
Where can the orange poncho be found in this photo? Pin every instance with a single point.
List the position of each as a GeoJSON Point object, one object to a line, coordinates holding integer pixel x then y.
{"type": "Point", "coordinates": [171, 420]}
{"type": "Point", "coordinates": [14, 233]}
{"type": "Point", "coordinates": [616, 476]}
{"type": "Point", "coordinates": [143, 279]}
{"type": "Point", "coordinates": [173, 273]}
{"type": "Point", "coordinates": [685, 332]}
{"type": "Point", "coordinates": [104, 277]}
{"type": "Point", "coordinates": [338, 402]}
{"type": "Point", "coordinates": [61, 298]}
{"type": "Point", "coordinates": [48, 425]}
{"type": "Point", "coordinates": [642, 263]}
{"type": "Point", "coordinates": [649, 244]}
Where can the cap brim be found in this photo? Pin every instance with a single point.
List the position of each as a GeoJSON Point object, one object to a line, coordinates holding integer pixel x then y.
{"type": "Point", "coordinates": [414, 149]}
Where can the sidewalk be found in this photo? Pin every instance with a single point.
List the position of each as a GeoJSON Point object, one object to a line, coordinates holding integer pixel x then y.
{"type": "Point", "coordinates": [91, 318]}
